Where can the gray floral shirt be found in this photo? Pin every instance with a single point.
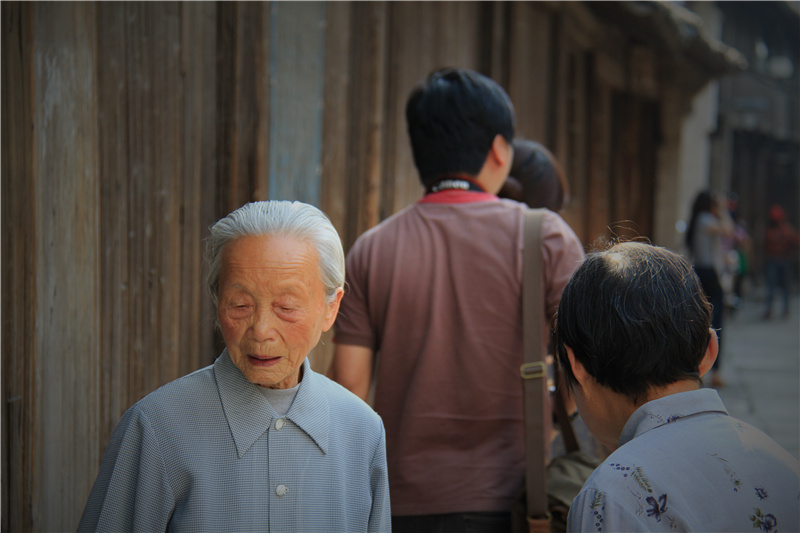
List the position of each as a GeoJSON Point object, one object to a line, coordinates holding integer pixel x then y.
{"type": "Point", "coordinates": [684, 464]}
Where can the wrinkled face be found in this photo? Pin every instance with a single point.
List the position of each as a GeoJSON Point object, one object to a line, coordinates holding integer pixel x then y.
{"type": "Point", "coordinates": [272, 307]}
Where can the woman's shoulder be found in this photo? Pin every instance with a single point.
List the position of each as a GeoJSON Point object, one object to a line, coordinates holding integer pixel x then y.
{"type": "Point", "coordinates": [344, 403]}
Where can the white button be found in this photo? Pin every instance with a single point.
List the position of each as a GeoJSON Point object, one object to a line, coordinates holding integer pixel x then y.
{"type": "Point", "coordinates": [281, 490]}
{"type": "Point", "coordinates": [280, 423]}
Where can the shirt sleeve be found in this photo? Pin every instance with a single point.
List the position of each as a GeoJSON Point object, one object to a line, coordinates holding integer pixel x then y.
{"type": "Point", "coordinates": [592, 511]}
{"type": "Point", "coordinates": [380, 518]}
{"type": "Point", "coordinates": [131, 492]}
{"type": "Point", "coordinates": [563, 254]}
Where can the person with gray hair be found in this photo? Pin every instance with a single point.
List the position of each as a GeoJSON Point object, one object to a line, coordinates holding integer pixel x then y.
{"type": "Point", "coordinates": [257, 441]}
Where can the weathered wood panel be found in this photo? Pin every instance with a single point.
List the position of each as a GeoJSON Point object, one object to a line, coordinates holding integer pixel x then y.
{"type": "Point", "coordinates": [67, 350]}
{"type": "Point", "coordinates": [597, 191]}
{"type": "Point", "coordinates": [335, 179]}
{"type": "Point", "coordinates": [243, 96]}
{"type": "Point", "coordinates": [531, 61]}
{"type": "Point", "coordinates": [114, 215]}
{"type": "Point", "coordinates": [154, 168]}
{"type": "Point", "coordinates": [366, 101]}
{"type": "Point", "coordinates": [633, 165]}
{"type": "Point", "coordinates": [157, 196]}
{"type": "Point", "coordinates": [196, 348]}
{"type": "Point", "coordinates": [297, 30]}
{"type": "Point", "coordinates": [18, 274]}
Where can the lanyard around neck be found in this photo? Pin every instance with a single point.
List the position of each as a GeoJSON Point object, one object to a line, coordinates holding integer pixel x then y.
{"type": "Point", "coordinates": [455, 183]}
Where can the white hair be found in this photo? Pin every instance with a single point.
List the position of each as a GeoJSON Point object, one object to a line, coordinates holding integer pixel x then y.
{"type": "Point", "coordinates": [291, 219]}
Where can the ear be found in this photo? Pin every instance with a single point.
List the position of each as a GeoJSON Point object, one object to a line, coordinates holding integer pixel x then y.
{"type": "Point", "coordinates": [578, 370]}
{"type": "Point", "coordinates": [501, 151]}
{"type": "Point", "coordinates": [333, 310]}
{"type": "Point", "coordinates": [711, 354]}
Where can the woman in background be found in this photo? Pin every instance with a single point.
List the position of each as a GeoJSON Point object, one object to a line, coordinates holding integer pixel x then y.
{"type": "Point", "coordinates": [708, 224]}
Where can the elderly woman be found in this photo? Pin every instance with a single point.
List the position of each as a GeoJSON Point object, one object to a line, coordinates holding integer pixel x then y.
{"type": "Point", "coordinates": [257, 441]}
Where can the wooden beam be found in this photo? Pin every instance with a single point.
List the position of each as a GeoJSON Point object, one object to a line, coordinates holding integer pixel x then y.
{"type": "Point", "coordinates": [19, 267]}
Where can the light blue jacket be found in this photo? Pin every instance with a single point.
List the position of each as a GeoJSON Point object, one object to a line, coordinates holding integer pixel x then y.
{"type": "Point", "coordinates": [208, 452]}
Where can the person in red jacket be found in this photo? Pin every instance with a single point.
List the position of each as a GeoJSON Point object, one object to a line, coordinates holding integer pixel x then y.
{"type": "Point", "coordinates": [781, 242]}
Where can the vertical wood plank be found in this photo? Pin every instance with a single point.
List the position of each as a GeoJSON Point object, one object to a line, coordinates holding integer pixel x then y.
{"type": "Point", "coordinates": [243, 96]}
{"type": "Point", "coordinates": [67, 261]}
{"type": "Point", "coordinates": [197, 212]}
{"type": "Point", "coordinates": [336, 115]}
{"type": "Point", "coordinates": [335, 179]}
{"type": "Point", "coordinates": [578, 150]}
{"type": "Point", "coordinates": [114, 215]}
{"type": "Point", "coordinates": [154, 149]}
{"type": "Point", "coordinates": [18, 214]}
{"type": "Point", "coordinates": [367, 96]}
{"type": "Point", "coordinates": [530, 57]}
{"type": "Point", "coordinates": [597, 189]}
{"type": "Point", "coordinates": [296, 78]}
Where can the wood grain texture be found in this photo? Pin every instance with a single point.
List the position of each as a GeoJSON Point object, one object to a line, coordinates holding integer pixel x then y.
{"type": "Point", "coordinates": [295, 130]}
{"type": "Point", "coordinates": [67, 352]}
{"type": "Point", "coordinates": [19, 267]}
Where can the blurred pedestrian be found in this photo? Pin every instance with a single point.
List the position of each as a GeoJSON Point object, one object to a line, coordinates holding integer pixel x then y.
{"type": "Point", "coordinates": [634, 339]}
{"type": "Point", "coordinates": [536, 177]}
{"type": "Point", "coordinates": [436, 291]}
{"type": "Point", "coordinates": [257, 441]}
{"type": "Point", "coordinates": [781, 242]}
{"type": "Point", "coordinates": [735, 249]}
{"type": "Point", "coordinates": [708, 224]}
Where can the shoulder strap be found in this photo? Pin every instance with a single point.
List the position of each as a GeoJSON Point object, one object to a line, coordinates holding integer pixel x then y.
{"type": "Point", "coordinates": [534, 370]}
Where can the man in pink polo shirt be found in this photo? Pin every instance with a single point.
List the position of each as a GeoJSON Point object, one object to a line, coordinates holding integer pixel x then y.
{"type": "Point", "coordinates": [434, 313]}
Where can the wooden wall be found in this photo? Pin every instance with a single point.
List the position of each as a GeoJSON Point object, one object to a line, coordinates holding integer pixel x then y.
{"type": "Point", "coordinates": [129, 127]}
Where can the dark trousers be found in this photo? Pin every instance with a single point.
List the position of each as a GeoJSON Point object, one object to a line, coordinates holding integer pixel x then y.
{"type": "Point", "coordinates": [716, 296]}
{"type": "Point", "coordinates": [499, 522]}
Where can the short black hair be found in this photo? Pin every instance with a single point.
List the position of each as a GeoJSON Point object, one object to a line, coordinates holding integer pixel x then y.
{"type": "Point", "coordinates": [453, 117]}
{"type": "Point", "coordinates": [636, 317]}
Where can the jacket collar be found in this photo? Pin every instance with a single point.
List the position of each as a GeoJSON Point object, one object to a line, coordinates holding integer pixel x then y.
{"type": "Point", "coordinates": [669, 409]}
{"type": "Point", "coordinates": [250, 415]}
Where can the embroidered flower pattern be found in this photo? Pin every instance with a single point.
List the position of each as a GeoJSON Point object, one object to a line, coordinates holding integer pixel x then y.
{"type": "Point", "coordinates": [734, 480]}
{"type": "Point", "coordinates": [598, 507]}
{"type": "Point", "coordinates": [619, 467]}
{"type": "Point", "coordinates": [638, 476]}
{"type": "Point", "coordinates": [761, 492]}
{"type": "Point", "coordinates": [764, 522]}
{"type": "Point", "coordinates": [657, 507]}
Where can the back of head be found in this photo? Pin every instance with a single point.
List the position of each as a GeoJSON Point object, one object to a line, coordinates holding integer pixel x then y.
{"type": "Point", "coordinates": [453, 117]}
{"type": "Point", "coordinates": [290, 219]}
{"type": "Point", "coordinates": [636, 317]}
{"type": "Point", "coordinates": [539, 175]}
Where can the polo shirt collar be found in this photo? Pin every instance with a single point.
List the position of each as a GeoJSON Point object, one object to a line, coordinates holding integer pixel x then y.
{"type": "Point", "coordinates": [457, 197]}
{"type": "Point", "coordinates": [669, 409]}
{"type": "Point", "coordinates": [250, 415]}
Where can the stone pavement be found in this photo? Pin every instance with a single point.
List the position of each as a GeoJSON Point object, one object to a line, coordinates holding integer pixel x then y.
{"type": "Point", "coordinates": [761, 366]}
